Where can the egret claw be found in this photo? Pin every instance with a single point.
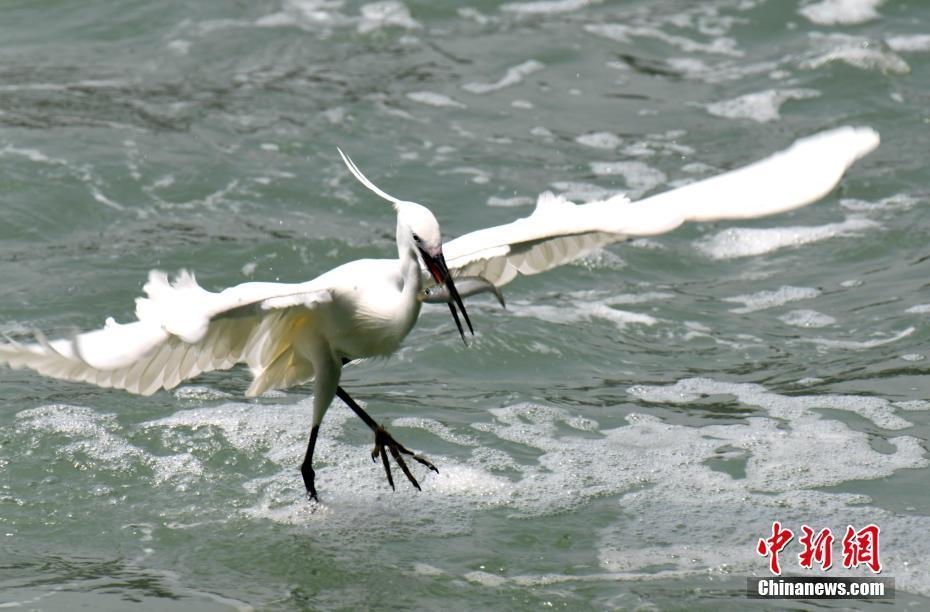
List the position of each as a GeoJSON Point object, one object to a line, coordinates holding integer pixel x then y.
{"type": "Point", "coordinates": [385, 443]}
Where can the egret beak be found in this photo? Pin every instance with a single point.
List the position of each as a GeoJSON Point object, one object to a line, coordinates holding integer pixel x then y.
{"type": "Point", "coordinates": [436, 264]}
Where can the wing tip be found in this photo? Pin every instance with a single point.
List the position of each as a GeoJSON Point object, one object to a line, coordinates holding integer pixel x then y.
{"type": "Point", "coordinates": [856, 141]}
{"type": "Point", "coordinates": [868, 139]}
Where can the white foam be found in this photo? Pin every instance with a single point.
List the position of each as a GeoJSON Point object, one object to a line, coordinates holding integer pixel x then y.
{"type": "Point", "coordinates": [200, 393]}
{"type": "Point", "coordinates": [103, 199]}
{"type": "Point", "coordinates": [542, 132]}
{"type": "Point", "coordinates": [547, 7]}
{"type": "Point", "coordinates": [388, 13]}
{"type": "Point", "coordinates": [181, 469]}
{"type": "Point", "coordinates": [96, 441]}
{"type": "Point", "coordinates": [324, 15]}
{"type": "Point", "coordinates": [769, 299]}
{"type": "Point", "coordinates": [580, 312]}
{"type": "Point", "coordinates": [305, 14]}
{"type": "Point", "coordinates": [510, 202]}
{"type": "Point", "coordinates": [599, 140]}
{"type": "Point", "coordinates": [543, 349]}
{"type": "Point", "coordinates": [475, 15]}
{"type": "Point", "coordinates": [653, 545]}
{"type": "Point", "coordinates": [720, 72]}
{"type": "Point", "coordinates": [600, 259]}
{"type": "Point", "coordinates": [783, 461]}
{"type": "Point", "coordinates": [91, 434]}
{"type": "Point", "coordinates": [436, 428]}
{"type": "Point", "coordinates": [666, 143]}
{"type": "Point", "coordinates": [578, 306]}
{"type": "Point", "coordinates": [807, 318]}
{"type": "Point", "coordinates": [467, 481]}
{"type": "Point", "coordinates": [640, 177]}
{"type": "Point", "coordinates": [919, 309]}
{"type": "Point", "coordinates": [666, 464]}
{"type": "Point", "coordinates": [485, 579]}
{"type": "Point", "coordinates": [434, 99]}
{"type": "Point", "coordinates": [54, 86]}
{"type": "Point", "coordinates": [841, 12]}
{"type": "Point", "coordinates": [514, 75]}
{"type": "Point", "coordinates": [699, 168]}
{"type": "Point", "coordinates": [335, 115]}
{"type": "Point", "coordinates": [478, 176]}
{"type": "Point", "coordinates": [787, 407]}
{"type": "Point", "coordinates": [910, 43]}
{"type": "Point", "coordinates": [33, 155]}
{"type": "Point", "coordinates": [659, 471]}
{"type": "Point", "coordinates": [855, 51]}
{"type": "Point", "coordinates": [576, 191]}
{"type": "Point", "coordinates": [914, 405]}
{"type": "Point", "coordinates": [179, 46]}
{"type": "Point", "coordinates": [744, 242]}
{"type": "Point", "coordinates": [761, 107]}
{"type": "Point", "coordinates": [894, 203]}
{"type": "Point", "coordinates": [425, 569]}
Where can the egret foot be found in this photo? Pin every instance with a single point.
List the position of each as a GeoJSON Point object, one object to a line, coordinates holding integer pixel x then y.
{"type": "Point", "coordinates": [311, 490]}
{"type": "Point", "coordinates": [385, 443]}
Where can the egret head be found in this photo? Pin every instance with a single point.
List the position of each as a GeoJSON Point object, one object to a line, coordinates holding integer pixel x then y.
{"type": "Point", "coordinates": [418, 232]}
{"type": "Point", "coordinates": [416, 224]}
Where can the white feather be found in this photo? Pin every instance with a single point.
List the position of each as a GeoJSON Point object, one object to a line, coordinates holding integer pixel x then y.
{"type": "Point", "coordinates": [181, 333]}
{"type": "Point", "coordinates": [558, 231]}
{"type": "Point", "coordinates": [364, 179]}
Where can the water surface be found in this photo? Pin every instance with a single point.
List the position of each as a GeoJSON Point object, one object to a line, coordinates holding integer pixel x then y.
{"type": "Point", "coordinates": [620, 436]}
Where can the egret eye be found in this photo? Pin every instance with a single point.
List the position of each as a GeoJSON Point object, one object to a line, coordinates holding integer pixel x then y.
{"type": "Point", "coordinates": [417, 238]}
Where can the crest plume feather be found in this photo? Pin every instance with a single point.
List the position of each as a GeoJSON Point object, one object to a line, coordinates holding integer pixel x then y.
{"type": "Point", "coordinates": [367, 183]}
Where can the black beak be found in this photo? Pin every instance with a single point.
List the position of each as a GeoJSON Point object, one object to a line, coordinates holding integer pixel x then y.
{"type": "Point", "coordinates": [440, 273]}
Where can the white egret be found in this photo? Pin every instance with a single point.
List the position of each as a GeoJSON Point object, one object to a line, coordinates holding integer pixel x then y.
{"type": "Point", "coordinates": [289, 334]}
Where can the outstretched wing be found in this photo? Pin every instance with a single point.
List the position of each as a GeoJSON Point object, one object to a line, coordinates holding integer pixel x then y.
{"type": "Point", "coordinates": [559, 231]}
{"type": "Point", "coordinates": [184, 330]}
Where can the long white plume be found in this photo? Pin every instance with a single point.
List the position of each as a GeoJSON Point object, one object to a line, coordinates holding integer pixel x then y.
{"type": "Point", "coordinates": [364, 180]}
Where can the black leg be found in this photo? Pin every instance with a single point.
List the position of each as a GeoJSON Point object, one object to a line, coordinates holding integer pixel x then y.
{"type": "Point", "coordinates": [306, 468]}
{"type": "Point", "coordinates": [341, 394]}
{"type": "Point", "coordinates": [385, 443]}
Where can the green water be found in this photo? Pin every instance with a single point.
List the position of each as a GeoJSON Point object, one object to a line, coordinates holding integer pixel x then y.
{"type": "Point", "coordinates": [619, 437]}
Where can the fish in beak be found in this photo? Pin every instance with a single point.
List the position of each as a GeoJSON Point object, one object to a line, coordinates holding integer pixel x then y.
{"type": "Point", "coordinates": [436, 264]}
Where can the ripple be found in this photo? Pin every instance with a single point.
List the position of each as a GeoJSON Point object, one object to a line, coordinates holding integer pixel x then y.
{"type": "Point", "coordinates": [514, 75]}
{"type": "Point", "coordinates": [763, 300]}
{"type": "Point", "coordinates": [745, 242]}
{"type": "Point", "coordinates": [434, 99]}
{"type": "Point", "coordinates": [760, 107]}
